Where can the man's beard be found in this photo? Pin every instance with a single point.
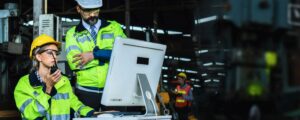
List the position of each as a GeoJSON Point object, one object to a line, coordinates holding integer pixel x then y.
{"type": "Point", "coordinates": [91, 20]}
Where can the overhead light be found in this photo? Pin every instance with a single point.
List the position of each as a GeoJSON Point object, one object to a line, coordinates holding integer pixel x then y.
{"type": "Point", "coordinates": [185, 59]}
{"type": "Point", "coordinates": [159, 31]}
{"type": "Point", "coordinates": [64, 19]}
{"type": "Point", "coordinates": [216, 80]}
{"type": "Point", "coordinates": [191, 71]}
{"type": "Point", "coordinates": [165, 81]}
{"type": "Point", "coordinates": [202, 51]}
{"type": "Point", "coordinates": [165, 68]}
{"type": "Point", "coordinates": [165, 75]}
{"type": "Point", "coordinates": [174, 32]}
{"type": "Point", "coordinates": [196, 22]}
{"type": "Point", "coordinates": [123, 26]}
{"type": "Point", "coordinates": [29, 23]}
{"type": "Point", "coordinates": [186, 35]}
{"type": "Point", "coordinates": [219, 63]}
{"type": "Point", "coordinates": [207, 19]}
{"type": "Point", "coordinates": [208, 64]}
{"type": "Point", "coordinates": [208, 80]}
{"type": "Point", "coordinates": [197, 86]}
{"type": "Point", "coordinates": [136, 28]}
{"type": "Point", "coordinates": [225, 17]}
{"type": "Point", "coordinates": [221, 74]}
{"type": "Point", "coordinates": [204, 74]}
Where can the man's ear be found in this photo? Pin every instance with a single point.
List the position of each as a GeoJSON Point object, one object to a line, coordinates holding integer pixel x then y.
{"type": "Point", "coordinates": [77, 8]}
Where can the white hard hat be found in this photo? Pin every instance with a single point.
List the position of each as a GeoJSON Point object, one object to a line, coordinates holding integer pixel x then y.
{"type": "Point", "coordinates": [90, 3]}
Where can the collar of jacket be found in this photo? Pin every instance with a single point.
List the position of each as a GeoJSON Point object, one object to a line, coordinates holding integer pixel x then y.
{"type": "Point", "coordinates": [80, 27]}
{"type": "Point", "coordinates": [33, 79]}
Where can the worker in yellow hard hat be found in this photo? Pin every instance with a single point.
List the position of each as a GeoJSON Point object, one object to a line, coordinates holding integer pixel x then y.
{"type": "Point", "coordinates": [184, 96]}
{"type": "Point", "coordinates": [44, 93]}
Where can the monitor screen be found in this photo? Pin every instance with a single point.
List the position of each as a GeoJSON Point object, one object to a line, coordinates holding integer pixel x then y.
{"type": "Point", "coordinates": [129, 58]}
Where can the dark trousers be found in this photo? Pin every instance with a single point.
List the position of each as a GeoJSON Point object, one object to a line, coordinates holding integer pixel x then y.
{"type": "Point", "coordinates": [182, 113]}
{"type": "Point", "coordinates": [90, 99]}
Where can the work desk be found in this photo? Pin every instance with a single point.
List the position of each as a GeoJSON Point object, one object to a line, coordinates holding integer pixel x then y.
{"type": "Point", "coordinates": [127, 117]}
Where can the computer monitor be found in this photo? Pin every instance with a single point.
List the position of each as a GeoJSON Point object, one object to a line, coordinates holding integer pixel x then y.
{"type": "Point", "coordinates": [132, 61]}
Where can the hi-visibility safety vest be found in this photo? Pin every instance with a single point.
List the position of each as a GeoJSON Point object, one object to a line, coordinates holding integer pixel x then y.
{"type": "Point", "coordinates": [79, 40]}
{"type": "Point", "coordinates": [180, 101]}
{"type": "Point", "coordinates": [34, 103]}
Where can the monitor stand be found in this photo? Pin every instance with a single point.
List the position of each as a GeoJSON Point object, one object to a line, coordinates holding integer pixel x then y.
{"type": "Point", "coordinates": [149, 98]}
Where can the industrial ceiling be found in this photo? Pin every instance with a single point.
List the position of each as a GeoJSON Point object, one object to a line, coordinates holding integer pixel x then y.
{"type": "Point", "coordinates": [167, 15]}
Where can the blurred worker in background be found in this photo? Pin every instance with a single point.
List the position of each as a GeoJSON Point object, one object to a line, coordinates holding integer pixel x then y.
{"type": "Point", "coordinates": [184, 97]}
{"type": "Point", "coordinates": [88, 48]}
{"type": "Point", "coordinates": [45, 95]}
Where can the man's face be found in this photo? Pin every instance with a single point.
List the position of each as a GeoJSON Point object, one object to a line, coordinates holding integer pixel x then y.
{"type": "Point", "coordinates": [180, 80]}
{"type": "Point", "coordinates": [90, 16]}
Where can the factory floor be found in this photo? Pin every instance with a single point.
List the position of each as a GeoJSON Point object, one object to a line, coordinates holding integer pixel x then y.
{"type": "Point", "coordinates": [9, 115]}
{"type": "Point", "coordinates": [8, 110]}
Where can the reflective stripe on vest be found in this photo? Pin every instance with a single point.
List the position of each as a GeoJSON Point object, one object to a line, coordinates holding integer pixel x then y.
{"type": "Point", "coordinates": [180, 101]}
{"type": "Point", "coordinates": [107, 36]}
{"type": "Point", "coordinates": [72, 47]}
{"type": "Point", "coordinates": [81, 107]}
{"type": "Point", "coordinates": [58, 117]}
{"type": "Point", "coordinates": [182, 92]}
{"type": "Point", "coordinates": [24, 105]}
{"type": "Point", "coordinates": [87, 90]}
{"type": "Point", "coordinates": [83, 38]}
{"type": "Point", "coordinates": [41, 109]}
{"type": "Point", "coordinates": [59, 96]}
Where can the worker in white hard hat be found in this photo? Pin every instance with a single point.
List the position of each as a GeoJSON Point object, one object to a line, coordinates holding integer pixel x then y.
{"type": "Point", "coordinates": [89, 10]}
{"type": "Point", "coordinates": [88, 49]}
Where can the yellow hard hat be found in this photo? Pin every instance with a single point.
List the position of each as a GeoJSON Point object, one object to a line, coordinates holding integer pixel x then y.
{"type": "Point", "coordinates": [42, 40]}
{"type": "Point", "coordinates": [182, 75]}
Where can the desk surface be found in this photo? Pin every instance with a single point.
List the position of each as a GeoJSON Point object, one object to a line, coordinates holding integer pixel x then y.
{"type": "Point", "coordinates": [128, 117]}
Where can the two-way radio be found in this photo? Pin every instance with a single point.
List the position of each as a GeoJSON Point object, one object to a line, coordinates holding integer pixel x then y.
{"type": "Point", "coordinates": [54, 67]}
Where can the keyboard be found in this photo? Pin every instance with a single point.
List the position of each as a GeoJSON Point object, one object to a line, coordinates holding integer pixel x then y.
{"type": "Point", "coordinates": [117, 113]}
